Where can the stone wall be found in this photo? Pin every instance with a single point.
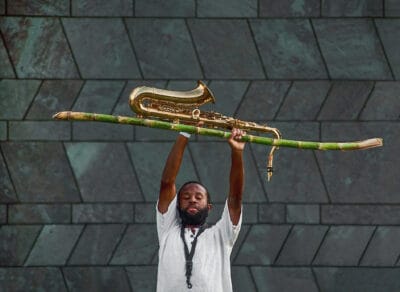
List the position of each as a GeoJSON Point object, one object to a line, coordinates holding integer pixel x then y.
{"type": "Point", "coordinates": [77, 199]}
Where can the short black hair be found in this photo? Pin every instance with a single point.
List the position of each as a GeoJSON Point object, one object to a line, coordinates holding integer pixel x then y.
{"type": "Point", "coordinates": [195, 182]}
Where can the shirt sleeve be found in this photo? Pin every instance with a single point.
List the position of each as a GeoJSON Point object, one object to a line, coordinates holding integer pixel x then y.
{"type": "Point", "coordinates": [229, 231]}
{"type": "Point", "coordinates": [167, 220]}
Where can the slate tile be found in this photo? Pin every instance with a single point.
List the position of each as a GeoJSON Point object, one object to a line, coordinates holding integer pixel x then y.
{"type": "Point", "coordinates": [3, 131]}
{"type": "Point", "coordinates": [38, 48]}
{"type": "Point", "coordinates": [54, 245]}
{"type": "Point", "coordinates": [307, 214]}
{"type": "Point", "coordinates": [141, 238]}
{"type": "Point", "coordinates": [149, 159]}
{"type": "Point", "coordinates": [383, 250]}
{"type": "Point", "coordinates": [98, 96]}
{"type": "Point", "coordinates": [39, 130]}
{"type": "Point", "coordinates": [96, 244]}
{"type": "Point", "coordinates": [3, 214]}
{"type": "Point", "coordinates": [239, 241]}
{"type": "Point", "coordinates": [242, 279]}
{"type": "Point", "coordinates": [271, 213]}
{"type": "Point", "coordinates": [305, 181]}
{"type": "Point", "coordinates": [289, 8]}
{"type": "Point", "coordinates": [160, 8]}
{"type": "Point", "coordinates": [104, 172]}
{"type": "Point", "coordinates": [345, 100]}
{"type": "Point", "coordinates": [39, 213]}
{"type": "Point", "coordinates": [284, 279]}
{"type": "Point", "coordinates": [343, 245]}
{"type": "Point", "coordinates": [102, 213]}
{"type": "Point", "coordinates": [145, 213]}
{"type": "Point", "coordinates": [361, 176]}
{"type": "Point", "coordinates": [301, 245]}
{"type": "Point", "coordinates": [304, 100]}
{"type": "Point", "coordinates": [122, 107]}
{"type": "Point", "coordinates": [16, 242]}
{"type": "Point", "coordinates": [40, 172]}
{"type": "Point", "coordinates": [2, 7]}
{"type": "Point", "coordinates": [384, 102]}
{"type": "Point", "coordinates": [351, 49]}
{"type": "Point", "coordinates": [54, 96]}
{"type": "Point", "coordinates": [388, 30]}
{"type": "Point", "coordinates": [7, 191]}
{"type": "Point", "coordinates": [358, 280]}
{"type": "Point", "coordinates": [97, 131]}
{"type": "Point", "coordinates": [225, 8]}
{"type": "Point", "coordinates": [94, 39]}
{"type": "Point", "coordinates": [5, 63]}
{"type": "Point", "coordinates": [262, 100]}
{"type": "Point", "coordinates": [142, 278]}
{"type": "Point", "coordinates": [102, 8]}
{"type": "Point", "coordinates": [250, 213]}
{"type": "Point", "coordinates": [215, 213]}
{"type": "Point", "coordinates": [259, 249]}
{"type": "Point", "coordinates": [15, 97]}
{"type": "Point", "coordinates": [37, 7]}
{"type": "Point", "coordinates": [32, 279]}
{"type": "Point", "coordinates": [164, 48]}
{"type": "Point", "coordinates": [288, 49]}
{"type": "Point", "coordinates": [147, 134]}
{"type": "Point", "coordinates": [352, 8]}
{"type": "Point", "coordinates": [214, 171]}
{"type": "Point", "coordinates": [95, 279]}
{"type": "Point", "coordinates": [226, 49]}
{"type": "Point", "coordinates": [360, 214]}
{"type": "Point", "coordinates": [392, 8]}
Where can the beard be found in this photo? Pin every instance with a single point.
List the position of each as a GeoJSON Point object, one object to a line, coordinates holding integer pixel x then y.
{"type": "Point", "coordinates": [193, 219]}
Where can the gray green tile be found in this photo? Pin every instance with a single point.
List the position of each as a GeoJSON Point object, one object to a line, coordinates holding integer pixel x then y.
{"type": "Point", "coordinates": [54, 96]}
{"type": "Point", "coordinates": [271, 213]}
{"type": "Point", "coordinates": [301, 245]}
{"type": "Point", "coordinates": [383, 250]}
{"type": "Point", "coordinates": [3, 131]}
{"type": "Point", "coordinates": [3, 214]}
{"type": "Point", "coordinates": [102, 213]}
{"type": "Point", "coordinates": [160, 8]}
{"type": "Point", "coordinates": [40, 172]}
{"type": "Point", "coordinates": [164, 48]}
{"type": "Point", "coordinates": [284, 279]}
{"type": "Point", "coordinates": [345, 100]}
{"type": "Point", "coordinates": [39, 213]}
{"type": "Point", "coordinates": [144, 246]}
{"type": "Point", "coordinates": [352, 8]}
{"type": "Point", "coordinates": [5, 64]}
{"type": "Point", "coordinates": [142, 278]}
{"type": "Point", "coordinates": [351, 49]}
{"type": "Point", "coordinates": [38, 47]}
{"type": "Point", "coordinates": [226, 49]}
{"type": "Point", "coordinates": [96, 279]}
{"type": "Point", "coordinates": [16, 243]}
{"type": "Point", "coordinates": [289, 8]}
{"type": "Point", "coordinates": [105, 40]}
{"type": "Point", "coordinates": [96, 244]}
{"type": "Point", "coordinates": [361, 176]}
{"type": "Point", "coordinates": [7, 191]}
{"type": "Point", "coordinates": [304, 100]}
{"type": "Point", "coordinates": [96, 131]}
{"type": "Point", "coordinates": [54, 245]}
{"type": "Point", "coordinates": [37, 7]}
{"type": "Point", "coordinates": [242, 279]}
{"type": "Point", "coordinates": [299, 213]}
{"type": "Point", "coordinates": [384, 103]}
{"type": "Point", "coordinates": [262, 100]}
{"type": "Point", "coordinates": [104, 172]}
{"type": "Point", "coordinates": [39, 130]}
{"type": "Point", "coordinates": [256, 250]}
{"type": "Point", "coordinates": [392, 8]}
{"type": "Point", "coordinates": [343, 245]}
{"type": "Point", "coordinates": [145, 213]}
{"type": "Point", "coordinates": [102, 7]}
{"type": "Point", "coordinates": [15, 97]}
{"type": "Point", "coordinates": [288, 49]}
{"type": "Point", "coordinates": [225, 8]}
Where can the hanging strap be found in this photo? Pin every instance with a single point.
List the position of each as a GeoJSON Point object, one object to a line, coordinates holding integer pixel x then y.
{"type": "Point", "coordinates": [189, 255]}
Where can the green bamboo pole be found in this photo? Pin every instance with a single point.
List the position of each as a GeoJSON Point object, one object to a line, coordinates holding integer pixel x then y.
{"type": "Point", "coordinates": [356, 145]}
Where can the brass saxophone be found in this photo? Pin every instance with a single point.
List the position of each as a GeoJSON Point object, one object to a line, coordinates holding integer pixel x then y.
{"type": "Point", "coordinates": [183, 107]}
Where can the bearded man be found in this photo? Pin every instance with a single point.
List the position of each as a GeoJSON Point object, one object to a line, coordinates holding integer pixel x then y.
{"type": "Point", "coordinates": [193, 256]}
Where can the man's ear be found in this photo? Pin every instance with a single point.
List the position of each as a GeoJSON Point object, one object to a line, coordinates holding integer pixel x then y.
{"type": "Point", "coordinates": [209, 206]}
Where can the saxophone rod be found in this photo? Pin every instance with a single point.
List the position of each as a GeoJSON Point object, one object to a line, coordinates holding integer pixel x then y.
{"type": "Point", "coordinates": [83, 116]}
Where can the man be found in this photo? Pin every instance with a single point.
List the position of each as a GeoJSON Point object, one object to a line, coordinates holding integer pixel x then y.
{"type": "Point", "coordinates": [192, 256]}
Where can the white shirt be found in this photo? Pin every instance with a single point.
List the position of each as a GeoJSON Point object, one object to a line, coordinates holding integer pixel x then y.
{"type": "Point", "coordinates": [211, 261]}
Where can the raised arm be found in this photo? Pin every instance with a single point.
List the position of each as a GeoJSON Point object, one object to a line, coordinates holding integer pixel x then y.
{"type": "Point", "coordinates": [171, 169]}
{"type": "Point", "coordinates": [236, 177]}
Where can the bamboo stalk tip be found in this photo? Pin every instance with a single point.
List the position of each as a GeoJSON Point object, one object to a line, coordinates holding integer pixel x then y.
{"type": "Point", "coordinates": [60, 116]}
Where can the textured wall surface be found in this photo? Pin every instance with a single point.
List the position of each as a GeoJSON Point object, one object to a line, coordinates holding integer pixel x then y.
{"type": "Point", "coordinates": [77, 199]}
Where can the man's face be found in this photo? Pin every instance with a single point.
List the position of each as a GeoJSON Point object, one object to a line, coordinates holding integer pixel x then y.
{"type": "Point", "coordinates": [193, 198]}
